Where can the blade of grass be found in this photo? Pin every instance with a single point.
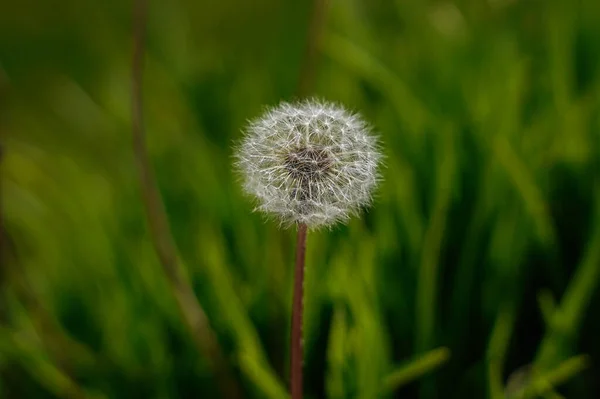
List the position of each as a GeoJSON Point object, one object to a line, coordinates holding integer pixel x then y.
{"type": "Point", "coordinates": [464, 281]}
{"type": "Point", "coordinates": [497, 348]}
{"type": "Point", "coordinates": [566, 320]}
{"type": "Point", "coordinates": [261, 378]}
{"type": "Point", "coordinates": [336, 354]}
{"type": "Point", "coordinates": [64, 349]}
{"type": "Point", "coordinates": [426, 302]}
{"type": "Point", "coordinates": [547, 306]}
{"type": "Point", "coordinates": [250, 353]}
{"type": "Point", "coordinates": [530, 193]}
{"type": "Point", "coordinates": [364, 64]}
{"type": "Point", "coordinates": [46, 373]}
{"type": "Point", "coordinates": [430, 252]}
{"type": "Point", "coordinates": [545, 383]}
{"type": "Point", "coordinates": [415, 369]}
{"type": "Point", "coordinates": [369, 344]}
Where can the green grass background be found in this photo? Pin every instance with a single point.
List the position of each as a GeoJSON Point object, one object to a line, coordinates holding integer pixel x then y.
{"type": "Point", "coordinates": [481, 253]}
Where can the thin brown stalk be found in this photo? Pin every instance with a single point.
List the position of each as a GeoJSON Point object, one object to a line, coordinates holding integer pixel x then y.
{"type": "Point", "coordinates": [162, 238]}
{"type": "Point", "coordinates": [306, 80]}
{"type": "Point", "coordinates": [2, 235]}
{"type": "Point", "coordinates": [305, 84]}
{"type": "Point", "coordinates": [3, 270]}
{"type": "Point", "coordinates": [313, 41]}
{"type": "Point", "coordinates": [297, 316]}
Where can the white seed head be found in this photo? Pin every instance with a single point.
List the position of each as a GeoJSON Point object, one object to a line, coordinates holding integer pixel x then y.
{"type": "Point", "coordinates": [310, 162]}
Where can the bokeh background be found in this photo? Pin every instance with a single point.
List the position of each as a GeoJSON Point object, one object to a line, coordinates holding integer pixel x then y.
{"type": "Point", "coordinates": [474, 275]}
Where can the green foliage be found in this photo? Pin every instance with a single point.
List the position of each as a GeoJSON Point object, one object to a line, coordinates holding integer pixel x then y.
{"type": "Point", "coordinates": [490, 117]}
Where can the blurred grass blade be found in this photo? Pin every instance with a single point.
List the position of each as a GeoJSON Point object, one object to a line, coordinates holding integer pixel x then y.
{"type": "Point", "coordinates": [367, 66]}
{"type": "Point", "coordinates": [415, 369]}
{"type": "Point", "coordinates": [567, 318]}
{"type": "Point", "coordinates": [64, 348]}
{"type": "Point", "coordinates": [263, 380]}
{"type": "Point", "coordinates": [336, 354]}
{"type": "Point", "coordinates": [497, 348]}
{"type": "Point", "coordinates": [545, 383]}
{"type": "Point", "coordinates": [251, 354]}
{"type": "Point", "coordinates": [47, 374]}
{"type": "Point", "coordinates": [464, 287]}
{"type": "Point", "coordinates": [370, 343]}
{"type": "Point", "coordinates": [408, 200]}
{"type": "Point", "coordinates": [525, 185]}
{"type": "Point", "coordinates": [547, 306]}
{"type": "Point", "coordinates": [432, 245]}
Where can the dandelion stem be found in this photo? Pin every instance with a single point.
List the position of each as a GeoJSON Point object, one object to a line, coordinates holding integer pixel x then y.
{"type": "Point", "coordinates": [297, 313]}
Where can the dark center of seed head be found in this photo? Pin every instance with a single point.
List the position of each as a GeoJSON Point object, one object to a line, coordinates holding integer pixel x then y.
{"type": "Point", "coordinates": [305, 164]}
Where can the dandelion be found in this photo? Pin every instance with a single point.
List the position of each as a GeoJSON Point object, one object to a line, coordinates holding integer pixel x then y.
{"type": "Point", "coordinates": [309, 164]}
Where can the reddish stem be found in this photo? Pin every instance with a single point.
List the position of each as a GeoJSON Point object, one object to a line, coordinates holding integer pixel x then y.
{"type": "Point", "coordinates": [297, 313]}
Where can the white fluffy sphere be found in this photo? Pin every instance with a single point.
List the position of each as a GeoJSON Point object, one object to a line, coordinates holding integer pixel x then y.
{"type": "Point", "coordinates": [310, 162]}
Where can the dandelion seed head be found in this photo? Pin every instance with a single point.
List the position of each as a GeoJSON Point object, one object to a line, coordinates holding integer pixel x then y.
{"type": "Point", "coordinates": [310, 162]}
